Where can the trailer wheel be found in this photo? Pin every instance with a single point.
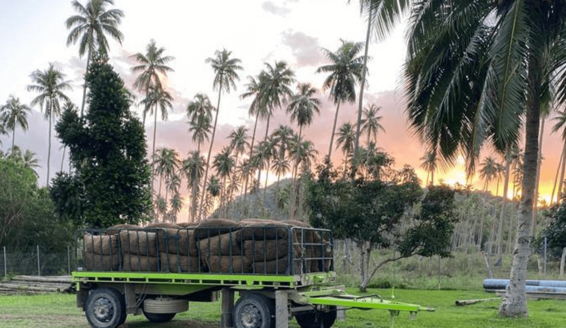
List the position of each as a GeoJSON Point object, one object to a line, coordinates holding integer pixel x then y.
{"type": "Point", "coordinates": [105, 308]}
{"type": "Point", "coordinates": [313, 319]}
{"type": "Point", "coordinates": [159, 317]}
{"type": "Point", "coordinates": [254, 311]}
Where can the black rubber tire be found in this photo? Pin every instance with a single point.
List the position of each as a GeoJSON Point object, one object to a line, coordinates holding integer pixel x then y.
{"type": "Point", "coordinates": [254, 311]}
{"type": "Point", "coordinates": [105, 308]}
{"type": "Point", "coordinates": [159, 317]}
{"type": "Point", "coordinates": [312, 319]}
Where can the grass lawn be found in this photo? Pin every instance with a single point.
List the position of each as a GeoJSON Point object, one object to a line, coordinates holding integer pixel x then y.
{"type": "Point", "coordinates": [59, 310]}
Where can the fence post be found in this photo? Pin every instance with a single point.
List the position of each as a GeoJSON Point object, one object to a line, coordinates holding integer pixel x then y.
{"type": "Point", "coordinates": [5, 264]}
{"type": "Point", "coordinates": [69, 258]}
{"type": "Point", "coordinates": [38, 268]}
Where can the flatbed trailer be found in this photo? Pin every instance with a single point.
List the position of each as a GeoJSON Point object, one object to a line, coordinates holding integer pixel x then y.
{"type": "Point", "coordinates": [303, 285]}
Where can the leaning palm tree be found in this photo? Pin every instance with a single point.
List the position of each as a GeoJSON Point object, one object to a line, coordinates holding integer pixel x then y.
{"type": "Point", "coordinates": [345, 70]}
{"type": "Point", "coordinates": [14, 113]}
{"type": "Point", "coordinates": [225, 69]}
{"type": "Point", "coordinates": [151, 64]}
{"type": "Point", "coordinates": [475, 73]}
{"type": "Point", "coordinates": [50, 86]}
{"type": "Point", "coordinates": [90, 26]}
{"type": "Point", "coordinates": [156, 99]}
{"type": "Point", "coordinates": [371, 122]}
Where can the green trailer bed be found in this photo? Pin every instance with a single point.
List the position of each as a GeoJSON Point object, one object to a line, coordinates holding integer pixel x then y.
{"type": "Point", "coordinates": [137, 278]}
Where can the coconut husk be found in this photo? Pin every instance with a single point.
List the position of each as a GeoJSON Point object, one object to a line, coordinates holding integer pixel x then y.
{"type": "Point", "coordinates": [227, 264]}
{"type": "Point", "coordinates": [140, 263]}
{"type": "Point", "coordinates": [268, 231]}
{"type": "Point", "coordinates": [115, 229]}
{"type": "Point", "coordinates": [97, 262]}
{"type": "Point", "coordinates": [225, 244]}
{"type": "Point", "coordinates": [180, 242]}
{"type": "Point", "coordinates": [267, 250]}
{"type": "Point", "coordinates": [213, 227]}
{"type": "Point", "coordinates": [179, 263]}
{"type": "Point", "coordinates": [276, 266]}
{"type": "Point", "coordinates": [139, 242]}
{"type": "Point", "coordinates": [101, 245]}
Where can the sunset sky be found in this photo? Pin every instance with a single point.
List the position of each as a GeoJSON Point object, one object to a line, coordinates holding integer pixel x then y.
{"type": "Point", "coordinates": [33, 34]}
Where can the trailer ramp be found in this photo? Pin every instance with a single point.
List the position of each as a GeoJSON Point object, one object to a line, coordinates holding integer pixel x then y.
{"type": "Point", "coordinates": [339, 298]}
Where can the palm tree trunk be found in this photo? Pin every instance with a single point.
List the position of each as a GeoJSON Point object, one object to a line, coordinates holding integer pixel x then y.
{"type": "Point", "coordinates": [203, 196]}
{"type": "Point", "coordinates": [153, 152]}
{"type": "Point", "coordinates": [49, 148]}
{"type": "Point", "coordinates": [515, 301]}
{"type": "Point", "coordinates": [558, 172]}
{"type": "Point", "coordinates": [560, 190]}
{"type": "Point", "coordinates": [223, 200]}
{"type": "Point", "coordinates": [360, 106]}
{"type": "Point", "coordinates": [265, 185]}
{"type": "Point", "coordinates": [63, 158]}
{"type": "Point", "coordinates": [539, 163]}
{"type": "Point", "coordinates": [13, 137]}
{"type": "Point", "coordinates": [332, 135]}
{"type": "Point", "coordinates": [159, 190]}
{"type": "Point", "coordinates": [293, 192]}
{"type": "Point", "coordinates": [194, 188]}
{"type": "Point", "coordinates": [84, 87]}
{"type": "Point", "coordinates": [503, 203]}
{"type": "Point", "coordinates": [250, 156]}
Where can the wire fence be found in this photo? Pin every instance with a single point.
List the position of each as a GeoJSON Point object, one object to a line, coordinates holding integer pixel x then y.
{"type": "Point", "coordinates": [37, 261]}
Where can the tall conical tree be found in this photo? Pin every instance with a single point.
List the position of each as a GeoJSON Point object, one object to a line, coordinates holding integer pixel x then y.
{"type": "Point", "coordinates": [50, 86]}
{"type": "Point", "coordinates": [225, 69]}
{"type": "Point", "coordinates": [90, 27]}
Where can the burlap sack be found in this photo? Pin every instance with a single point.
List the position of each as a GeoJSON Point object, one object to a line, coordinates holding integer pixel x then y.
{"type": "Point", "coordinates": [140, 263]}
{"type": "Point", "coordinates": [225, 244]}
{"type": "Point", "coordinates": [187, 224]}
{"type": "Point", "coordinates": [213, 227]}
{"type": "Point", "coordinates": [101, 245]}
{"type": "Point", "coordinates": [227, 264]}
{"type": "Point", "coordinates": [260, 231]}
{"type": "Point", "coordinates": [296, 223]}
{"type": "Point", "coordinates": [268, 250]}
{"type": "Point", "coordinates": [182, 241]}
{"type": "Point", "coordinates": [97, 262]}
{"type": "Point", "coordinates": [179, 263]}
{"type": "Point", "coordinates": [277, 266]}
{"type": "Point", "coordinates": [115, 229]}
{"type": "Point", "coordinates": [139, 242]}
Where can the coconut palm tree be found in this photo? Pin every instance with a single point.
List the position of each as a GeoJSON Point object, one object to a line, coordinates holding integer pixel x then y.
{"type": "Point", "coordinates": [224, 164]}
{"type": "Point", "coordinates": [428, 163]}
{"type": "Point", "coordinates": [2, 131]}
{"type": "Point", "coordinates": [213, 188]}
{"type": "Point", "coordinates": [90, 26]}
{"type": "Point", "coordinates": [225, 69]}
{"type": "Point", "coordinates": [346, 140]}
{"type": "Point", "coordinates": [14, 113]}
{"type": "Point", "coordinates": [151, 65]}
{"type": "Point", "coordinates": [50, 85]}
{"type": "Point", "coordinates": [346, 70]}
{"type": "Point", "coordinates": [238, 144]}
{"type": "Point", "coordinates": [157, 99]}
{"type": "Point", "coordinates": [560, 125]}
{"type": "Point", "coordinates": [175, 205]}
{"type": "Point", "coordinates": [488, 171]}
{"type": "Point", "coordinates": [166, 162]}
{"type": "Point", "coordinates": [371, 122]}
{"type": "Point", "coordinates": [253, 89]}
{"type": "Point", "coordinates": [30, 161]}
{"type": "Point", "coordinates": [475, 72]}
{"type": "Point", "coordinates": [193, 168]}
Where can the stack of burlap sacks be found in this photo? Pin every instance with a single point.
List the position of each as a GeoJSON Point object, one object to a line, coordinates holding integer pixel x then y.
{"type": "Point", "coordinates": [214, 245]}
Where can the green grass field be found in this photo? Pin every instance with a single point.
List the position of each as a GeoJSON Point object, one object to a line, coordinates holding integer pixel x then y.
{"type": "Point", "coordinates": [59, 310]}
